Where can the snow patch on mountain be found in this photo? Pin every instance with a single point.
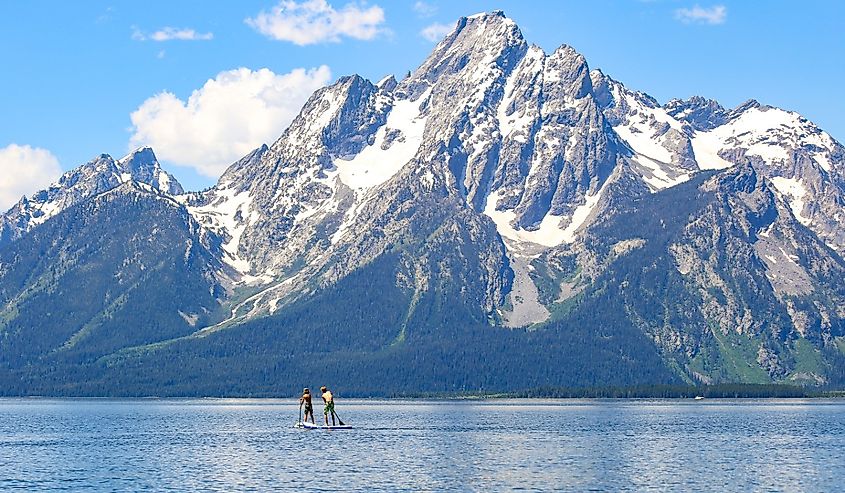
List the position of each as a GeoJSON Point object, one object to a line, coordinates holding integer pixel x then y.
{"type": "Point", "coordinates": [706, 147]}
{"type": "Point", "coordinates": [795, 192]}
{"type": "Point", "coordinates": [761, 131]}
{"type": "Point", "coordinates": [514, 118]}
{"type": "Point", "coordinates": [579, 217]}
{"type": "Point", "coordinates": [643, 132]}
{"type": "Point", "coordinates": [396, 143]}
{"type": "Point", "coordinates": [549, 233]}
{"type": "Point", "coordinates": [658, 175]}
{"type": "Point", "coordinates": [229, 215]}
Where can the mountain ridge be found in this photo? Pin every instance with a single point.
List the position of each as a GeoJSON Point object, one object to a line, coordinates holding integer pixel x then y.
{"type": "Point", "coordinates": [489, 190]}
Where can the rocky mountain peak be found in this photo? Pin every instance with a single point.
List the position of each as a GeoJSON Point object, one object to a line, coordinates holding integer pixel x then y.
{"type": "Point", "coordinates": [700, 113]}
{"type": "Point", "coordinates": [571, 69]}
{"type": "Point", "coordinates": [484, 20]}
{"type": "Point", "coordinates": [143, 166]}
{"type": "Point", "coordinates": [387, 84]}
{"type": "Point", "coordinates": [536, 143]}
{"type": "Point", "coordinates": [747, 105]}
{"type": "Point", "coordinates": [97, 176]}
{"type": "Point", "coordinates": [477, 42]}
{"type": "Point", "coordinates": [138, 159]}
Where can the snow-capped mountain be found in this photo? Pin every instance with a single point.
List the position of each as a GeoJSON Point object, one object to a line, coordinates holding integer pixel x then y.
{"type": "Point", "coordinates": [496, 187]}
{"type": "Point", "coordinates": [529, 139]}
{"type": "Point", "coordinates": [507, 130]}
{"type": "Point", "coordinates": [93, 178]}
{"type": "Point", "coordinates": [803, 162]}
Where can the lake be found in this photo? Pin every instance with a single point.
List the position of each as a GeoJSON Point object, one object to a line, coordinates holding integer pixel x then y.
{"type": "Point", "coordinates": [528, 445]}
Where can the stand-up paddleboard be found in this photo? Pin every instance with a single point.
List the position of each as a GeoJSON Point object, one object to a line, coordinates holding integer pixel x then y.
{"type": "Point", "coordinates": [311, 426]}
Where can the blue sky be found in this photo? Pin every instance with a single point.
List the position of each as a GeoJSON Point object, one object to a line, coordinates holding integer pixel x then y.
{"type": "Point", "coordinates": [75, 72]}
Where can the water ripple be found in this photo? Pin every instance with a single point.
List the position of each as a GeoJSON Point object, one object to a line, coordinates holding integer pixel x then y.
{"type": "Point", "coordinates": [577, 445]}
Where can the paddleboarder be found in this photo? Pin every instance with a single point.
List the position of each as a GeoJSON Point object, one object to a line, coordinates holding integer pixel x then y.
{"type": "Point", "coordinates": [306, 400]}
{"type": "Point", "coordinates": [328, 400]}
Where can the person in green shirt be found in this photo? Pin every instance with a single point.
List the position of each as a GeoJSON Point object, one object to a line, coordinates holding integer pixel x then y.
{"type": "Point", "coordinates": [328, 400]}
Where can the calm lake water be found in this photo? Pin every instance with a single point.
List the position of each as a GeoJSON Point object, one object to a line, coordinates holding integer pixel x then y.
{"type": "Point", "coordinates": [568, 445]}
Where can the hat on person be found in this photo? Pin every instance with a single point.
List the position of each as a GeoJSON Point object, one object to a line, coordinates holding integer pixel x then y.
{"type": "Point", "coordinates": [305, 390]}
{"type": "Point", "coordinates": [323, 388]}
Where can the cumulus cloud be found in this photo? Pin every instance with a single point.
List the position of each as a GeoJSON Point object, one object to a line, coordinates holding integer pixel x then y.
{"type": "Point", "coordinates": [25, 170]}
{"type": "Point", "coordinates": [436, 32]}
{"type": "Point", "coordinates": [425, 9]}
{"type": "Point", "coordinates": [701, 15]}
{"type": "Point", "coordinates": [226, 118]}
{"type": "Point", "coordinates": [171, 33]}
{"type": "Point", "coordinates": [315, 21]}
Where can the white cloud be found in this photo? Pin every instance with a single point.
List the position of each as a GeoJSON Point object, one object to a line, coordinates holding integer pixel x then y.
{"type": "Point", "coordinates": [315, 21]}
{"type": "Point", "coordinates": [226, 118]}
{"type": "Point", "coordinates": [425, 9]}
{"type": "Point", "coordinates": [716, 14]}
{"type": "Point", "coordinates": [436, 31]}
{"type": "Point", "coordinates": [171, 33]}
{"type": "Point", "coordinates": [25, 170]}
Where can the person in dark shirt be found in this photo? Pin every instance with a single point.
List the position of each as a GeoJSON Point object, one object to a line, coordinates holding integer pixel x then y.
{"type": "Point", "coordinates": [309, 408]}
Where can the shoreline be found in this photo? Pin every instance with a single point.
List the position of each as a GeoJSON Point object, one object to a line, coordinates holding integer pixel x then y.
{"type": "Point", "coordinates": [680, 393]}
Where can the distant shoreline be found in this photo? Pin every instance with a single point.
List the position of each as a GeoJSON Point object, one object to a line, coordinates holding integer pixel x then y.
{"type": "Point", "coordinates": [720, 391]}
{"type": "Point", "coordinates": [669, 392]}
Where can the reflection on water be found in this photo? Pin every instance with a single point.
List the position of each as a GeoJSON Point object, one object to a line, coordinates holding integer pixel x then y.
{"type": "Point", "coordinates": [570, 445]}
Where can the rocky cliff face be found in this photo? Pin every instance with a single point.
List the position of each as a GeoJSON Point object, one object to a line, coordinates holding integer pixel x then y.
{"type": "Point", "coordinates": [728, 283]}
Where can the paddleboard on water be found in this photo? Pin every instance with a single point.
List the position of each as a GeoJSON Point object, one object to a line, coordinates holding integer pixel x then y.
{"type": "Point", "coordinates": [311, 426]}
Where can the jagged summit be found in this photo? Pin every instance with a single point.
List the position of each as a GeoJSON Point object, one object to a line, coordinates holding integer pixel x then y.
{"type": "Point", "coordinates": [482, 39]}
{"type": "Point", "coordinates": [143, 166]}
{"type": "Point", "coordinates": [142, 156]}
{"type": "Point", "coordinates": [388, 83]}
{"type": "Point", "coordinates": [485, 15]}
{"type": "Point", "coordinates": [702, 114]}
{"type": "Point", "coordinates": [97, 176]}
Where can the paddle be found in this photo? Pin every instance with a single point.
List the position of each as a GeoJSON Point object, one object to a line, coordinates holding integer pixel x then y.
{"type": "Point", "coordinates": [300, 413]}
{"type": "Point", "coordinates": [338, 418]}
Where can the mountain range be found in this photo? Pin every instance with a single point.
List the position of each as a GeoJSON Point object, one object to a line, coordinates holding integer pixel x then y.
{"type": "Point", "coordinates": [501, 218]}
